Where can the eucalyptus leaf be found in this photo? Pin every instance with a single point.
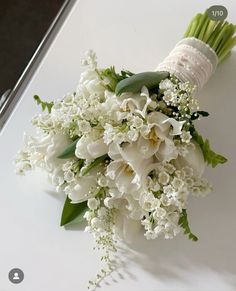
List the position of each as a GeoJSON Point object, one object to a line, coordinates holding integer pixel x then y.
{"type": "Point", "coordinates": [73, 211]}
{"type": "Point", "coordinates": [69, 152]}
{"type": "Point", "coordinates": [136, 82]}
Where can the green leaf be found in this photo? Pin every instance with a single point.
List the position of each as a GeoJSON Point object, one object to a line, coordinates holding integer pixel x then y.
{"type": "Point", "coordinates": [113, 77]}
{"type": "Point", "coordinates": [73, 211]}
{"type": "Point", "coordinates": [183, 222]}
{"type": "Point", "coordinates": [210, 157]}
{"type": "Point", "coordinates": [197, 114]}
{"type": "Point", "coordinates": [44, 105]}
{"type": "Point", "coordinates": [94, 163]}
{"type": "Point", "coordinates": [69, 152]}
{"type": "Point", "coordinates": [136, 82]}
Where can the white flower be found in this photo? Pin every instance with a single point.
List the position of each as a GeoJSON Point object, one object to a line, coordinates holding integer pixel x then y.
{"type": "Point", "coordinates": [136, 103]}
{"type": "Point", "coordinates": [193, 159]}
{"type": "Point", "coordinates": [23, 163]}
{"type": "Point", "coordinates": [83, 189]}
{"type": "Point", "coordinates": [177, 183]}
{"type": "Point", "coordinates": [88, 215]}
{"type": "Point", "coordinates": [124, 175]}
{"type": "Point", "coordinates": [163, 178]}
{"type": "Point", "coordinates": [102, 212]}
{"type": "Point", "coordinates": [132, 135]}
{"type": "Point", "coordinates": [67, 166]}
{"type": "Point", "coordinates": [169, 168]}
{"type": "Point", "coordinates": [129, 168]}
{"type": "Point", "coordinates": [185, 136]}
{"type": "Point", "coordinates": [96, 223]}
{"type": "Point", "coordinates": [145, 130]}
{"type": "Point", "coordinates": [166, 84]}
{"type": "Point", "coordinates": [109, 133]}
{"type": "Point", "coordinates": [116, 203]}
{"type": "Point", "coordinates": [126, 228]}
{"type": "Point", "coordinates": [102, 181]}
{"type": "Point", "coordinates": [159, 213]}
{"type": "Point", "coordinates": [69, 176]}
{"type": "Point", "coordinates": [148, 202]}
{"type": "Point", "coordinates": [146, 223]}
{"type": "Point", "coordinates": [167, 151]}
{"type": "Point", "coordinates": [188, 171]}
{"type": "Point", "coordinates": [168, 190]}
{"type": "Point", "coordinates": [189, 181]}
{"type": "Point", "coordinates": [137, 122]}
{"type": "Point", "coordinates": [43, 150]}
{"type": "Point", "coordinates": [180, 173]}
{"type": "Point", "coordinates": [150, 234]}
{"type": "Point", "coordinates": [84, 126]}
{"type": "Point", "coordinates": [161, 135]}
{"type": "Point", "coordinates": [169, 96]}
{"type": "Point", "coordinates": [165, 124]}
{"type": "Point", "coordinates": [153, 185]}
{"type": "Point", "coordinates": [93, 203]}
{"type": "Point", "coordinates": [90, 59]}
{"type": "Point", "coordinates": [88, 148]}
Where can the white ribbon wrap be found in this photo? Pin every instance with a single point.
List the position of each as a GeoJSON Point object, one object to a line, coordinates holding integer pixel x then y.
{"type": "Point", "coordinates": [191, 60]}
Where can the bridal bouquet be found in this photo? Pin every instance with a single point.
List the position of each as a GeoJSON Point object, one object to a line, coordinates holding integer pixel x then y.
{"type": "Point", "coordinates": [124, 148]}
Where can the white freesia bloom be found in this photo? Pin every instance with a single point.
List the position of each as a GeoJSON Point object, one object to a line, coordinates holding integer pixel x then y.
{"type": "Point", "coordinates": [157, 140]}
{"type": "Point", "coordinates": [130, 168]}
{"type": "Point", "coordinates": [136, 103]}
{"type": "Point", "coordinates": [127, 179]}
{"type": "Point", "coordinates": [165, 124]}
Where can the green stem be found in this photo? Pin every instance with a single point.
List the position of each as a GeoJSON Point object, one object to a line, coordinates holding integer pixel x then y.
{"type": "Point", "coordinates": [219, 35]}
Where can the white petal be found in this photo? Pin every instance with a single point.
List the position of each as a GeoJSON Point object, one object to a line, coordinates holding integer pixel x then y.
{"type": "Point", "coordinates": [97, 148]}
{"type": "Point", "coordinates": [194, 159]}
{"type": "Point", "coordinates": [126, 228]}
{"type": "Point", "coordinates": [114, 151]}
{"type": "Point", "coordinates": [167, 150]}
{"type": "Point", "coordinates": [158, 119]}
{"type": "Point", "coordinates": [81, 151]}
{"type": "Point", "coordinates": [147, 148]}
{"type": "Point", "coordinates": [177, 126]}
{"type": "Point", "coordinates": [82, 189]}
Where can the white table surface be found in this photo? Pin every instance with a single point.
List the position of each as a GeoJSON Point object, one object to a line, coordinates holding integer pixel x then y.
{"type": "Point", "coordinates": [133, 34]}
